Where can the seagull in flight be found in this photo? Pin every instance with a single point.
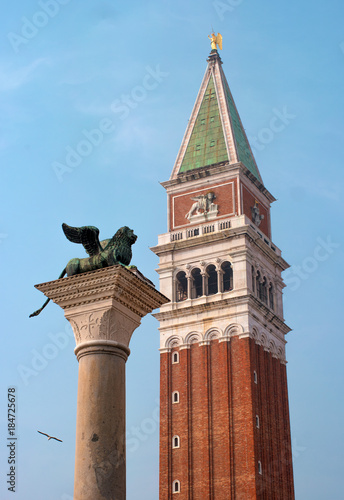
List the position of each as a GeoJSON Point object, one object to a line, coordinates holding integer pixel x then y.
{"type": "Point", "coordinates": [50, 437]}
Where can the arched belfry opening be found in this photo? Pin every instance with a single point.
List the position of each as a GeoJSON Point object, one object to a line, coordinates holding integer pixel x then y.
{"type": "Point", "coordinates": [197, 283]}
{"type": "Point", "coordinates": [181, 285]}
{"type": "Point", "coordinates": [227, 276]}
{"type": "Point", "coordinates": [212, 281]}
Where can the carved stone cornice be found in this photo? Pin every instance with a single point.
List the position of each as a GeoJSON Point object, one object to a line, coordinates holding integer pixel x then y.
{"type": "Point", "coordinates": [115, 282]}
{"type": "Point", "coordinates": [215, 170]}
{"type": "Point", "coordinates": [183, 310]}
{"type": "Point", "coordinates": [104, 307]}
{"type": "Point", "coordinates": [245, 231]}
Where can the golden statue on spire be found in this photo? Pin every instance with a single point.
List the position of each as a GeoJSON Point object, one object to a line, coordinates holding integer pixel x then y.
{"type": "Point", "coordinates": [215, 40]}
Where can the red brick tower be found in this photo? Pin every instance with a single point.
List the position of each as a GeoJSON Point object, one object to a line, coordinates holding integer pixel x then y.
{"type": "Point", "coordinates": [224, 429]}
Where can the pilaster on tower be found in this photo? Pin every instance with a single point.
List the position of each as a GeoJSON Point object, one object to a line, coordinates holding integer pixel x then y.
{"type": "Point", "coordinates": [224, 423]}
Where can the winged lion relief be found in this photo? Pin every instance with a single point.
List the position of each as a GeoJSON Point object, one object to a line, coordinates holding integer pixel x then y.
{"type": "Point", "coordinates": [203, 206]}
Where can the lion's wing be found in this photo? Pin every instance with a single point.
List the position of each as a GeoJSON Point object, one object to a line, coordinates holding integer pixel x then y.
{"type": "Point", "coordinates": [88, 236]}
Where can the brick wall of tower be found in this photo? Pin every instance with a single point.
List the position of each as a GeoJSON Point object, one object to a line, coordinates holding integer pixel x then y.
{"type": "Point", "coordinates": [245, 461]}
{"type": "Point", "coordinates": [165, 480]}
{"type": "Point", "coordinates": [248, 200]}
{"type": "Point", "coordinates": [180, 422]}
{"type": "Point", "coordinates": [200, 452]}
{"type": "Point", "coordinates": [273, 443]}
{"type": "Point", "coordinates": [287, 458]}
{"type": "Point", "coordinates": [222, 436]}
{"type": "Point", "coordinates": [215, 419]}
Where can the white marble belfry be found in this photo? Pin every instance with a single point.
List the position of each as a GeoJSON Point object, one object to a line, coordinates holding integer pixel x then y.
{"type": "Point", "coordinates": [104, 308]}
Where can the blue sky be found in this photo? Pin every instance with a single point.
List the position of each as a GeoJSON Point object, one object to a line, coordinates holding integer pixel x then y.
{"type": "Point", "coordinates": [127, 75]}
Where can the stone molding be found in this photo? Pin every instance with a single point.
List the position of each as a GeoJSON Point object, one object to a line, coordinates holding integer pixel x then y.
{"type": "Point", "coordinates": [245, 230]}
{"type": "Point", "coordinates": [102, 347]}
{"type": "Point", "coordinates": [115, 282]}
{"type": "Point", "coordinates": [264, 339]}
{"type": "Point", "coordinates": [218, 302]}
{"type": "Point", "coordinates": [220, 171]}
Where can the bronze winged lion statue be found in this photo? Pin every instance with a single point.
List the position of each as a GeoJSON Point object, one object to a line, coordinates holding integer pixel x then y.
{"type": "Point", "coordinates": [116, 250]}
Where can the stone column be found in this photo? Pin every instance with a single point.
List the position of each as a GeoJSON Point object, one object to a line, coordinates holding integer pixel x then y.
{"type": "Point", "coordinates": [204, 283]}
{"type": "Point", "coordinates": [220, 274]}
{"type": "Point", "coordinates": [189, 287]}
{"type": "Point", "coordinates": [104, 307]}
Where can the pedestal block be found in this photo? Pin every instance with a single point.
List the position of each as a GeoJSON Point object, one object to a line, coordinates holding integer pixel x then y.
{"type": "Point", "coordinates": [104, 308]}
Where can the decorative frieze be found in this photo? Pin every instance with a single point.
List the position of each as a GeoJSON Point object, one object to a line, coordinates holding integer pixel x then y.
{"type": "Point", "coordinates": [269, 341]}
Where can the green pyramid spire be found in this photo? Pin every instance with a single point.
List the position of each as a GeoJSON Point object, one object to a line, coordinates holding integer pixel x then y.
{"type": "Point", "coordinates": [244, 152]}
{"type": "Point", "coordinates": [207, 143]}
{"type": "Point", "coordinates": [215, 133]}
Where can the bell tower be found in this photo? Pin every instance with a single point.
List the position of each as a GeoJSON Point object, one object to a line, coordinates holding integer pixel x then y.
{"type": "Point", "coordinates": [224, 417]}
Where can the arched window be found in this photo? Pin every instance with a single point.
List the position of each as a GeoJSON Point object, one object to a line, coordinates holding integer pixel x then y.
{"type": "Point", "coordinates": [255, 377]}
{"type": "Point", "coordinates": [271, 296]}
{"type": "Point", "coordinates": [175, 358]}
{"type": "Point", "coordinates": [175, 487]}
{"type": "Point", "coordinates": [257, 421]}
{"type": "Point", "coordinates": [175, 397]}
{"type": "Point", "coordinates": [175, 442]}
{"type": "Point", "coordinates": [260, 470]}
{"type": "Point", "coordinates": [212, 279]}
{"type": "Point", "coordinates": [258, 284]}
{"type": "Point", "coordinates": [227, 277]}
{"type": "Point", "coordinates": [181, 287]}
{"type": "Point", "coordinates": [197, 288]}
{"type": "Point", "coordinates": [264, 291]}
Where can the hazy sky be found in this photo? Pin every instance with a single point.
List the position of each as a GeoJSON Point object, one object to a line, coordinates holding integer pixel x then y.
{"type": "Point", "coordinates": [126, 75]}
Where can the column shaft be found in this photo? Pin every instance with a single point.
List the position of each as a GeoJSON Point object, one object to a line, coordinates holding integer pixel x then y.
{"type": "Point", "coordinates": [100, 426]}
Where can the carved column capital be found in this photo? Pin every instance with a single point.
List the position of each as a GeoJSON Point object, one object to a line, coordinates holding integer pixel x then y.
{"type": "Point", "coordinates": [107, 327]}
{"type": "Point", "coordinates": [104, 307]}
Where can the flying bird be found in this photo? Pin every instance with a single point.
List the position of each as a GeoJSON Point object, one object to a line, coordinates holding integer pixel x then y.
{"type": "Point", "coordinates": [50, 437]}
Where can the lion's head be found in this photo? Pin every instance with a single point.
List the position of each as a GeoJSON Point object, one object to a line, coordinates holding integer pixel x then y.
{"type": "Point", "coordinates": [121, 243]}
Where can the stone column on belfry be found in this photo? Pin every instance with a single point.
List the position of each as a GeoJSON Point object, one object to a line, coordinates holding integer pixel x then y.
{"type": "Point", "coordinates": [104, 307]}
